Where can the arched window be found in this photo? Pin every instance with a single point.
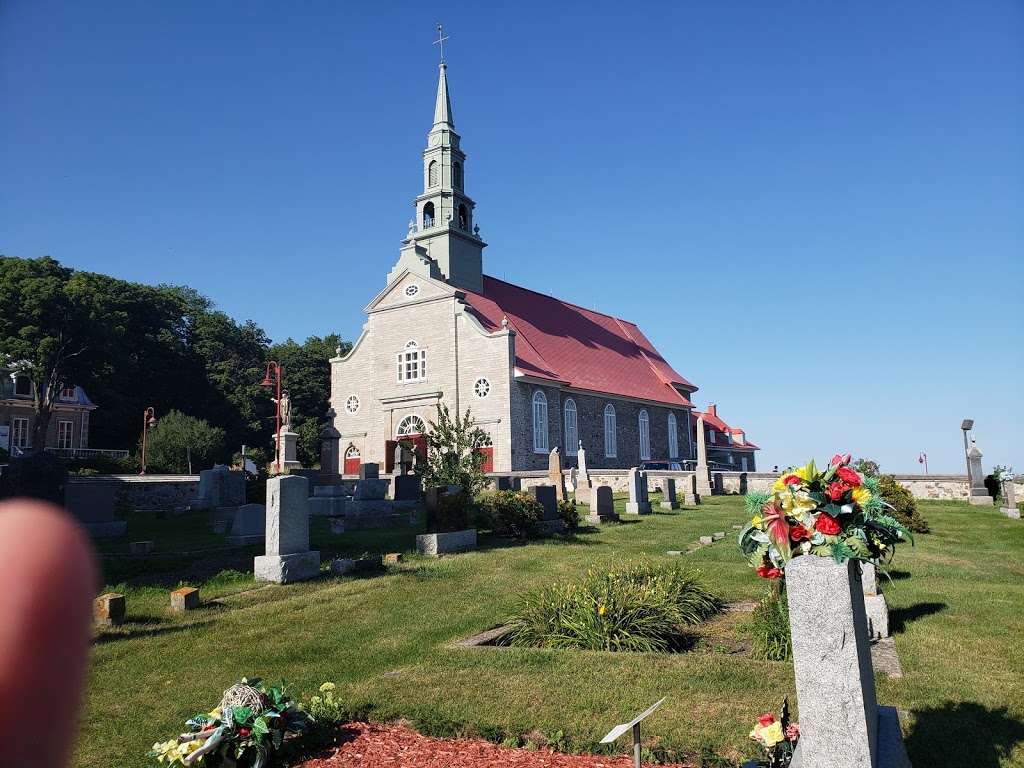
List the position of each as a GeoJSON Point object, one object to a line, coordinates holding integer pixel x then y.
{"type": "Point", "coordinates": [463, 217]}
{"type": "Point", "coordinates": [610, 441]}
{"type": "Point", "coordinates": [412, 363]}
{"type": "Point", "coordinates": [673, 437]}
{"type": "Point", "coordinates": [432, 173]}
{"type": "Point", "coordinates": [572, 433]}
{"type": "Point", "coordinates": [457, 175]}
{"type": "Point", "coordinates": [645, 436]}
{"type": "Point", "coordinates": [540, 422]}
{"type": "Point", "coordinates": [428, 215]}
{"type": "Point", "coordinates": [411, 425]}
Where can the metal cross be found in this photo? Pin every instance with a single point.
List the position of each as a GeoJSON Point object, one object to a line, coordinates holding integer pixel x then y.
{"type": "Point", "coordinates": [440, 41]}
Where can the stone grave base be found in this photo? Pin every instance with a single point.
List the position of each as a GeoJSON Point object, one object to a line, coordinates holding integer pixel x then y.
{"type": "Point", "coordinates": [406, 504]}
{"type": "Point", "coordinates": [892, 752]}
{"type": "Point", "coordinates": [326, 506]}
{"type": "Point", "coordinates": [110, 530]}
{"type": "Point", "coordinates": [446, 543]}
{"type": "Point", "coordinates": [981, 501]}
{"type": "Point", "coordinates": [638, 507]}
{"type": "Point", "coordinates": [285, 569]}
{"type": "Point", "coordinates": [550, 526]}
{"type": "Point", "coordinates": [670, 505]}
{"type": "Point", "coordinates": [598, 519]}
{"type": "Point", "coordinates": [1011, 512]}
{"type": "Point", "coordinates": [362, 522]}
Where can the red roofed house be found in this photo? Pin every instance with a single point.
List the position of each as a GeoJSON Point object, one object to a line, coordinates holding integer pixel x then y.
{"type": "Point", "coordinates": [535, 372]}
{"type": "Point", "coordinates": [728, 447]}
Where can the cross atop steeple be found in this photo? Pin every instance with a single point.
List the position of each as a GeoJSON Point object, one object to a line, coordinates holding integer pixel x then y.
{"type": "Point", "coordinates": [440, 41]}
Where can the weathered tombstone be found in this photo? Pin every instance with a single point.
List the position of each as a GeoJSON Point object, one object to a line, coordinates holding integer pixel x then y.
{"type": "Point", "coordinates": [978, 494]}
{"type": "Point", "coordinates": [638, 503]}
{"type": "Point", "coordinates": [407, 488]}
{"type": "Point", "coordinates": [690, 495]}
{"type": "Point", "coordinates": [670, 501]}
{"type": "Point", "coordinates": [327, 501]}
{"type": "Point", "coordinates": [602, 506]}
{"type": "Point", "coordinates": [141, 547]}
{"type": "Point", "coordinates": [369, 508]}
{"type": "Point", "coordinates": [369, 471]}
{"type": "Point", "coordinates": [1009, 507]}
{"type": "Point", "coordinates": [573, 476]}
{"type": "Point", "coordinates": [108, 609]}
{"type": "Point", "coordinates": [584, 487]}
{"type": "Point", "coordinates": [185, 599]}
{"type": "Point", "coordinates": [703, 486]}
{"type": "Point", "coordinates": [718, 486]}
{"type": "Point", "coordinates": [249, 525]}
{"type": "Point", "coordinates": [330, 457]}
{"type": "Point", "coordinates": [220, 487]}
{"type": "Point", "coordinates": [555, 473]}
{"type": "Point", "coordinates": [743, 484]}
{"type": "Point", "coordinates": [288, 558]}
{"type": "Point", "coordinates": [37, 475]}
{"type": "Point", "coordinates": [392, 558]}
{"type": "Point", "coordinates": [705, 540]}
{"type": "Point", "coordinates": [91, 501]}
{"type": "Point", "coordinates": [875, 608]}
{"type": "Point", "coordinates": [840, 720]}
{"type": "Point", "coordinates": [342, 565]}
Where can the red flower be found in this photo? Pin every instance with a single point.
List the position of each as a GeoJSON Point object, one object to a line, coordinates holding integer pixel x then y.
{"type": "Point", "coordinates": [766, 720]}
{"type": "Point", "coordinates": [827, 524]}
{"type": "Point", "coordinates": [840, 459]}
{"type": "Point", "coordinates": [768, 572]}
{"type": "Point", "coordinates": [243, 732]}
{"type": "Point", "coordinates": [791, 480]}
{"type": "Point", "coordinates": [836, 491]}
{"type": "Point", "coordinates": [798, 532]}
{"type": "Point", "coordinates": [793, 732]}
{"type": "Point", "coordinates": [848, 475]}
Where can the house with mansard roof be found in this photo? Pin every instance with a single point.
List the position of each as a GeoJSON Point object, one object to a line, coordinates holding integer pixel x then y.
{"type": "Point", "coordinates": [728, 447]}
{"type": "Point", "coordinates": [535, 372]}
{"type": "Point", "coordinates": [68, 430]}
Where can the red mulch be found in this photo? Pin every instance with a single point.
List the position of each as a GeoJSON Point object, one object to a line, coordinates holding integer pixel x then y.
{"type": "Point", "coordinates": [391, 746]}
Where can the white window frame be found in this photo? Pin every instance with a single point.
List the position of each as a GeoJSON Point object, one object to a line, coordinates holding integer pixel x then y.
{"type": "Point", "coordinates": [65, 434]}
{"type": "Point", "coordinates": [433, 173]}
{"type": "Point", "coordinates": [481, 388]}
{"type": "Point", "coordinates": [19, 432]}
{"type": "Point", "coordinates": [350, 401]}
{"type": "Point", "coordinates": [69, 393]}
{"type": "Point", "coordinates": [412, 363]}
{"type": "Point", "coordinates": [610, 437]}
{"type": "Point", "coordinates": [673, 437]}
{"type": "Point", "coordinates": [409, 419]}
{"type": "Point", "coordinates": [711, 435]}
{"type": "Point", "coordinates": [572, 430]}
{"type": "Point", "coordinates": [645, 435]}
{"type": "Point", "coordinates": [540, 422]}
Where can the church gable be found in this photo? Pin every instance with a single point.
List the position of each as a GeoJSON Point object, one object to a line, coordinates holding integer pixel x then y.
{"type": "Point", "coordinates": [410, 288]}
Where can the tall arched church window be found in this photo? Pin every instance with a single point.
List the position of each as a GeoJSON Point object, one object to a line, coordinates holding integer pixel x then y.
{"type": "Point", "coordinates": [645, 436]}
{"type": "Point", "coordinates": [433, 173]}
{"type": "Point", "coordinates": [457, 175]}
{"type": "Point", "coordinates": [463, 218]}
{"type": "Point", "coordinates": [572, 433]}
{"type": "Point", "coordinates": [428, 215]}
{"type": "Point", "coordinates": [412, 425]}
{"type": "Point", "coordinates": [610, 441]}
{"type": "Point", "coordinates": [673, 437]}
{"type": "Point", "coordinates": [540, 422]}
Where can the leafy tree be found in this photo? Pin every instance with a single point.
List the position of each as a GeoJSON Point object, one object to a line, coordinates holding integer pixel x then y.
{"type": "Point", "coordinates": [453, 456]}
{"type": "Point", "coordinates": [306, 374]}
{"type": "Point", "coordinates": [866, 467]}
{"type": "Point", "coordinates": [176, 435]}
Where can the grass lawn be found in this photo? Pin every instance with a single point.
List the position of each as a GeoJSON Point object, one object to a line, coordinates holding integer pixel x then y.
{"type": "Point", "coordinates": [956, 609]}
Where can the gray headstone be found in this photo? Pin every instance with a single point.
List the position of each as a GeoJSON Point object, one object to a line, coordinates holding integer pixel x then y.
{"type": "Point", "coordinates": [719, 483]}
{"type": "Point", "coordinates": [369, 471]}
{"type": "Point", "coordinates": [1009, 493]}
{"type": "Point", "coordinates": [555, 476]}
{"type": "Point", "coordinates": [370, 489]}
{"type": "Point", "coordinates": [638, 503]}
{"type": "Point", "coordinates": [407, 488]}
{"type": "Point", "coordinates": [249, 525]}
{"type": "Point", "coordinates": [91, 502]}
{"type": "Point", "coordinates": [670, 501]}
{"type": "Point", "coordinates": [546, 495]}
{"type": "Point", "coordinates": [602, 505]}
{"type": "Point", "coordinates": [287, 515]}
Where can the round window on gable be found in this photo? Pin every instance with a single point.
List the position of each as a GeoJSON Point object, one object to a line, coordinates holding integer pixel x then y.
{"type": "Point", "coordinates": [481, 388]}
{"type": "Point", "coordinates": [412, 290]}
{"type": "Point", "coordinates": [352, 404]}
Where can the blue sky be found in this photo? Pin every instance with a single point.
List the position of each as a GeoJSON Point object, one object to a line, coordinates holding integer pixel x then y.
{"type": "Point", "coordinates": [814, 210]}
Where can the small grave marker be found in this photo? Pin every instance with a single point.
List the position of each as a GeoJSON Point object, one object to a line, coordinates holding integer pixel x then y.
{"type": "Point", "coordinates": [392, 558]}
{"type": "Point", "coordinates": [141, 547]}
{"type": "Point", "coordinates": [185, 599]}
{"type": "Point", "coordinates": [108, 609]}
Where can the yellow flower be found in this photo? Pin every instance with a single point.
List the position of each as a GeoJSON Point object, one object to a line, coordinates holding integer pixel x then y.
{"type": "Point", "coordinates": [861, 495]}
{"type": "Point", "coordinates": [600, 611]}
{"type": "Point", "coordinates": [327, 687]}
{"type": "Point", "coordinates": [315, 700]}
{"type": "Point", "coordinates": [773, 734]}
{"type": "Point", "coordinates": [215, 714]}
{"type": "Point", "coordinates": [756, 522]}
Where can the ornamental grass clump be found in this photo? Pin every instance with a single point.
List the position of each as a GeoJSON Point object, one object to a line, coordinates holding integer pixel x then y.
{"type": "Point", "coordinates": [635, 607]}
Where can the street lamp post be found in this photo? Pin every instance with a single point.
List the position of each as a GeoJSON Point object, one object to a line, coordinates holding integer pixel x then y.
{"type": "Point", "coordinates": [966, 426]}
{"type": "Point", "coordinates": [148, 423]}
{"type": "Point", "coordinates": [922, 458]}
{"type": "Point", "coordinates": [273, 364]}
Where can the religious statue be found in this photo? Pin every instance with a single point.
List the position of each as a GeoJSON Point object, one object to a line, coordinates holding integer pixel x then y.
{"type": "Point", "coordinates": [583, 460]}
{"type": "Point", "coordinates": [286, 409]}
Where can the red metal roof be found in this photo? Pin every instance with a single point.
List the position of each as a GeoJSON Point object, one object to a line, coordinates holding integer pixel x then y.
{"type": "Point", "coordinates": [577, 347]}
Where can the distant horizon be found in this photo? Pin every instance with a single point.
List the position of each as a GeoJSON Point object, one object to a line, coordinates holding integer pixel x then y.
{"type": "Point", "coordinates": [813, 212]}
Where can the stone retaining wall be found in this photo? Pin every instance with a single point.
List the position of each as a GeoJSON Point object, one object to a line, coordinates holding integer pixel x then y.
{"type": "Point", "coordinates": [149, 491]}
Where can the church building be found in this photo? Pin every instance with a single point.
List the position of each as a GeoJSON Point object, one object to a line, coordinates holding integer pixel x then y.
{"type": "Point", "coordinates": [535, 372]}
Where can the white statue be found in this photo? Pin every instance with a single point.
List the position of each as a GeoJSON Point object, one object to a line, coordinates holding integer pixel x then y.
{"type": "Point", "coordinates": [583, 460]}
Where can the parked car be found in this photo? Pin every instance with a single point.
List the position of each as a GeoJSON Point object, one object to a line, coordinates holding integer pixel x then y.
{"type": "Point", "coordinates": [661, 466]}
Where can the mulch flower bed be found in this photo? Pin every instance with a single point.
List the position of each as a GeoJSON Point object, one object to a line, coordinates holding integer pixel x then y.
{"type": "Point", "coordinates": [366, 745]}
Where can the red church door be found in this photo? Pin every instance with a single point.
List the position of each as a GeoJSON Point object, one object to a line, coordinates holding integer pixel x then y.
{"type": "Point", "coordinates": [352, 461]}
{"type": "Point", "coordinates": [488, 454]}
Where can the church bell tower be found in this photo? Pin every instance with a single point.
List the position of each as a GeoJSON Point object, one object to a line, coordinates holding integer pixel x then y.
{"type": "Point", "coordinates": [444, 213]}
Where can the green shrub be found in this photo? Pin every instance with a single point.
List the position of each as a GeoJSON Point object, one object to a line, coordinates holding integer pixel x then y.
{"type": "Point", "coordinates": [904, 505]}
{"type": "Point", "coordinates": [636, 607]}
{"type": "Point", "coordinates": [512, 513]}
{"type": "Point", "coordinates": [770, 627]}
{"type": "Point", "coordinates": [569, 514]}
{"type": "Point", "coordinates": [126, 465]}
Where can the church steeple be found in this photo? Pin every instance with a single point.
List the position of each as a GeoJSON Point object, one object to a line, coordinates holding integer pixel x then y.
{"type": "Point", "coordinates": [444, 213]}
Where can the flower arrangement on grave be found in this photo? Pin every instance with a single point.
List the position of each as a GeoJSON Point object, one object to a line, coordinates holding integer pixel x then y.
{"type": "Point", "coordinates": [836, 513]}
{"type": "Point", "coordinates": [245, 728]}
{"type": "Point", "coordinates": [777, 737]}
